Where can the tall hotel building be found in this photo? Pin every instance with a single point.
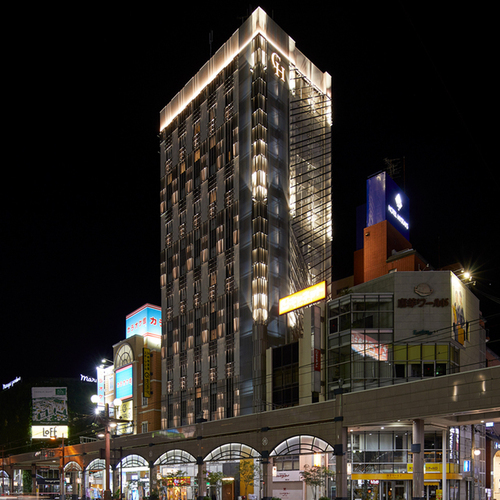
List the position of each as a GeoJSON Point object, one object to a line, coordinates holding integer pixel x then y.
{"type": "Point", "coordinates": [245, 218]}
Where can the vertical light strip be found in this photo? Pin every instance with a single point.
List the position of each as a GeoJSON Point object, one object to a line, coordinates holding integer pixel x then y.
{"type": "Point", "coordinates": [259, 184]}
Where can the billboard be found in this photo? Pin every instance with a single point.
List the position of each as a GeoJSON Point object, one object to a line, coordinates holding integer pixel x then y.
{"type": "Point", "coordinates": [124, 383]}
{"type": "Point", "coordinates": [302, 298]}
{"type": "Point", "coordinates": [145, 321]}
{"type": "Point", "coordinates": [460, 331]}
{"type": "Point", "coordinates": [49, 412]}
{"type": "Point", "coordinates": [386, 201]}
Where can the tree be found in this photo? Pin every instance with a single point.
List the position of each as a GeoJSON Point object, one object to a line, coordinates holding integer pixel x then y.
{"type": "Point", "coordinates": [315, 476]}
{"type": "Point", "coordinates": [214, 478]}
{"type": "Point", "coordinates": [247, 471]}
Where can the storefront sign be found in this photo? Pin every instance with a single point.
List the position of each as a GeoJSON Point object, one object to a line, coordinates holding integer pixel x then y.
{"type": "Point", "coordinates": [124, 386]}
{"type": "Point", "coordinates": [287, 475]}
{"type": "Point", "coordinates": [413, 302]}
{"type": "Point", "coordinates": [49, 431]}
{"type": "Point", "coordinates": [10, 384]}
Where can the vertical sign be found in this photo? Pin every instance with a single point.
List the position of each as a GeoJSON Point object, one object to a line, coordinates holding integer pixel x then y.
{"type": "Point", "coordinates": [316, 348]}
{"type": "Point", "coordinates": [146, 372]}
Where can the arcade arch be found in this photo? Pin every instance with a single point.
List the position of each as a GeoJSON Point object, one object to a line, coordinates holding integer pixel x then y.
{"type": "Point", "coordinates": [4, 483]}
{"type": "Point", "coordinates": [496, 475]}
{"type": "Point", "coordinates": [73, 479]}
{"type": "Point", "coordinates": [289, 457]}
{"type": "Point", "coordinates": [176, 472]}
{"type": "Point", "coordinates": [94, 482]}
{"type": "Point", "coordinates": [133, 477]}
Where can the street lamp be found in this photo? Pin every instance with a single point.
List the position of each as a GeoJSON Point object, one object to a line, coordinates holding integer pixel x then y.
{"type": "Point", "coordinates": [62, 479]}
{"type": "Point", "coordinates": [109, 423]}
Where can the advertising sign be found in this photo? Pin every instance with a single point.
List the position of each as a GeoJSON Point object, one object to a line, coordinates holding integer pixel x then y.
{"type": "Point", "coordinates": [302, 298]}
{"type": "Point", "coordinates": [386, 201]}
{"type": "Point", "coordinates": [49, 431]}
{"type": "Point", "coordinates": [368, 346]}
{"type": "Point", "coordinates": [124, 383]}
{"type": "Point", "coordinates": [145, 321]}
{"type": "Point", "coordinates": [50, 412]}
{"type": "Point", "coordinates": [146, 373]}
{"type": "Point", "coordinates": [460, 331]}
{"type": "Point", "coordinates": [49, 405]}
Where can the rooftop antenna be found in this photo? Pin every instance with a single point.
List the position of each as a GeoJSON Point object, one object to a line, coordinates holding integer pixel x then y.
{"type": "Point", "coordinates": [210, 40]}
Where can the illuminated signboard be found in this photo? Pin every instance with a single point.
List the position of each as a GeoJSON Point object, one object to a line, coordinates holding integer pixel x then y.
{"type": "Point", "coordinates": [302, 298]}
{"type": "Point", "coordinates": [49, 405]}
{"type": "Point", "coordinates": [124, 386]}
{"type": "Point", "coordinates": [146, 372]}
{"type": "Point", "coordinates": [49, 431]}
{"type": "Point", "coordinates": [386, 201]}
{"type": "Point", "coordinates": [145, 321]}
{"type": "Point", "coordinates": [460, 331]}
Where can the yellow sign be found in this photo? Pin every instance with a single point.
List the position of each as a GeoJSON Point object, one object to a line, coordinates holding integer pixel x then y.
{"type": "Point", "coordinates": [434, 467]}
{"type": "Point", "coordinates": [302, 298]}
{"type": "Point", "coordinates": [146, 372]}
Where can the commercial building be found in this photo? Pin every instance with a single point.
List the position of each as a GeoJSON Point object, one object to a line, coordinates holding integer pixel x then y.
{"type": "Point", "coordinates": [245, 218]}
{"type": "Point", "coordinates": [396, 321]}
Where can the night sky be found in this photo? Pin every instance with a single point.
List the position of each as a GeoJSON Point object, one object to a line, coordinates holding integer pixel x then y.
{"type": "Point", "coordinates": [80, 233]}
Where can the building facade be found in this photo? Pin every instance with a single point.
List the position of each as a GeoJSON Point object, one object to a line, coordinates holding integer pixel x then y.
{"type": "Point", "coordinates": [245, 218]}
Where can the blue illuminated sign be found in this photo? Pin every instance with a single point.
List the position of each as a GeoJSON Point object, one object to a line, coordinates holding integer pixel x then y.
{"type": "Point", "coordinates": [466, 465]}
{"type": "Point", "coordinates": [124, 383]}
{"type": "Point", "coordinates": [146, 322]}
{"type": "Point", "coordinates": [386, 201]}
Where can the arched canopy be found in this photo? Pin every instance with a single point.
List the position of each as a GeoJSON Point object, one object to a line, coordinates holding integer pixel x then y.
{"type": "Point", "coordinates": [231, 451]}
{"type": "Point", "coordinates": [301, 445]}
{"type": "Point", "coordinates": [96, 465]}
{"type": "Point", "coordinates": [133, 462]}
{"type": "Point", "coordinates": [72, 467]}
{"type": "Point", "coordinates": [173, 457]}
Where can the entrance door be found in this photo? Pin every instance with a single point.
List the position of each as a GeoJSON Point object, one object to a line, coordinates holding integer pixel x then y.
{"type": "Point", "coordinates": [393, 490]}
{"type": "Point", "coordinates": [227, 490]}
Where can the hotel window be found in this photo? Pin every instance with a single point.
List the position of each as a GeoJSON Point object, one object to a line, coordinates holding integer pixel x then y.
{"type": "Point", "coordinates": [144, 427]}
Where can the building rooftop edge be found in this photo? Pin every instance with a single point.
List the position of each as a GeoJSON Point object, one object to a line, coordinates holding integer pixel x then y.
{"type": "Point", "coordinates": [257, 23]}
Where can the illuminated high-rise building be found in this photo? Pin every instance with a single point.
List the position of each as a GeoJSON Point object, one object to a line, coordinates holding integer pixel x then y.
{"type": "Point", "coordinates": [245, 218]}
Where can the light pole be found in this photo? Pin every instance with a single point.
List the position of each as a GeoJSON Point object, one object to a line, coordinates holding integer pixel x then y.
{"type": "Point", "coordinates": [62, 479]}
{"type": "Point", "coordinates": [108, 424]}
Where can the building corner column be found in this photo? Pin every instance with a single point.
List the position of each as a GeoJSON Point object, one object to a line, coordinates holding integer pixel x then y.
{"type": "Point", "coordinates": [417, 449]}
{"type": "Point", "coordinates": [340, 447]}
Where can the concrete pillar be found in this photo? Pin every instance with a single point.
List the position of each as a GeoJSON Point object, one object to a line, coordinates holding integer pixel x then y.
{"type": "Point", "coordinates": [34, 486]}
{"type": "Point", "coordinates": [417, 448]}
{"type": "Point", "coordinates": [340, 447]}
{"type": "Point", "coordinates": [202, 480]}
{"type": "Point", "coordinates": [267, 475]}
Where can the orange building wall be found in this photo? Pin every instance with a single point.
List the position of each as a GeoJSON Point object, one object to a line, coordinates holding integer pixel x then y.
{"type": "Point", "coordinates": [380, 240]}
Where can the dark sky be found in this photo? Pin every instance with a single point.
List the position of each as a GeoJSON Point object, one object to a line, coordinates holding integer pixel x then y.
{"type": "Point", "coordinates": [80, 236]}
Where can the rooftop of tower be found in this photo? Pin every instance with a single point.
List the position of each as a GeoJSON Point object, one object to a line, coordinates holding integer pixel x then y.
{"type": "Point", "coordinates": [258, 23]}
